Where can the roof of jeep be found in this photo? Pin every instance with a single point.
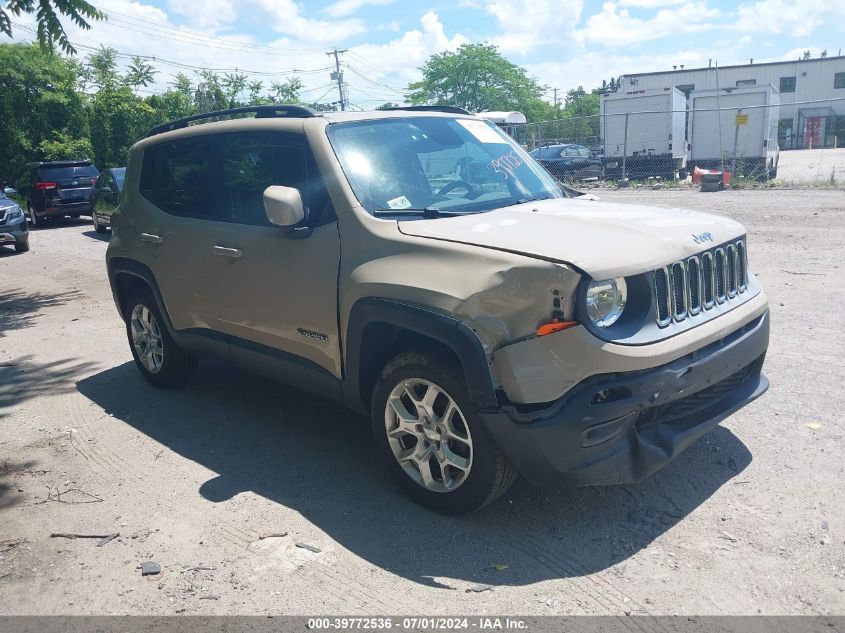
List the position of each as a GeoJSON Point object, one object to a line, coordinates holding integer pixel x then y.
{"type": "Point", "coordinates": [289, 122]}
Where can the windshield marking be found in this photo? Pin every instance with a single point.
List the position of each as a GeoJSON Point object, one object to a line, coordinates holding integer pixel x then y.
{"type": "Point", "coordinates": [506, 164]}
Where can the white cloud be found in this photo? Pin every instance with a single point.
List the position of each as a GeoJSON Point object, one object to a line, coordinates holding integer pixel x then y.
{"type": "Point", "coordinates": [286, 17]}
{"type": "Point", "coordinates": [527, 25]}
{"type": "Point", "coordinates": [616, 27]}
{"type": "Point", "coordinates": [214, 14]}
{"type": "Point", "coordinates": [392, 66]}
{"type": "Point", "coordinates": [343, 8]}
{"type": "Point", "coordinates": [650, 4]}
{"type": "Point", "coordinates": [797, 18]}
{"type": "Point", "coordinates": [590, 68]}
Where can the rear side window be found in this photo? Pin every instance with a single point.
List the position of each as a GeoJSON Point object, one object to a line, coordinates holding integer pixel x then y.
{"type": "Point", "coordinates": [104, 180]}
{"type": "Point", "coordinates": [119, 175]}
{"type": "Point", "coordinates": [179, 178]}
{"type": "Point", "coordinates": [69, 173]}
{"type": "Point", "coordinates": [223, 177]}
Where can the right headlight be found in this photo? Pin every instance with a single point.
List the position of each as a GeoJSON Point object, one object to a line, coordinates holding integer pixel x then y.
{"type": "Point", "coordinates": [606, 300]}
{"type": "Point", "coordinates": [11, 214]}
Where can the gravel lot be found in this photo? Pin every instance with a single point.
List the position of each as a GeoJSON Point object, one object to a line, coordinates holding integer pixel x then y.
{"type": "Point", "coordinates": [749, 520]}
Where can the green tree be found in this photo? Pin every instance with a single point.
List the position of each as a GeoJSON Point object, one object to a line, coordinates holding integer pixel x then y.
{"type": "Point", "coordinates": [64, 147]}
{"type": "Point", "coordinates": [140, 74]}
{"type": "Point", "coordinates": [38, 99]}
{"type": "Point", "coordinates": [233, 85]}
{"type": "Point", "coordinates": [101, 68]}
{"type": "Point", "coordinates": [387, 106]}
{"type": "Point", "coordinates": [579, 102]}
{"type": "Point", "coordinates": [118, 119]}
{"type": "Point", "coordinates": [50, 29]}
{"type": "Point", "coordinates": [209, 94]}
{"type": "Point", "coordinates": [477, 77]}
{"type": "Point", "coordinates": [174, 103]}
{"type": "Point", "coordinates": [286, 91]}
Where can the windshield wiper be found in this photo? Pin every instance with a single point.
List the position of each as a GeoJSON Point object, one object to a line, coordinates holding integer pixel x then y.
{"type": "Point", "coordinates": [426, 212]}
{"type": "Point", "coordinates": [526, 201]}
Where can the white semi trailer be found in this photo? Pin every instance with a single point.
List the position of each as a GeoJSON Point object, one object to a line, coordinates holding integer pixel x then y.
{"type": "Point", "coordinates": [644, 132]}
{"type": "Point", "coordinates": [746, 141]}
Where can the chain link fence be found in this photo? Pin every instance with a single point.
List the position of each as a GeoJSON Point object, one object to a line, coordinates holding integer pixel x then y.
{"type": "Point", "coordinates": [799, 144]}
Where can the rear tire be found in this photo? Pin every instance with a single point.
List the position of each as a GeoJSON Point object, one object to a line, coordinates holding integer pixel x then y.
{"type": "Point", "coordinates": [34, 222]}
{"type": "Point", "coordinates": [99, 228]}
{"type": "Point", "coordinates": [160, 360]}
{"type": "Point", "coordinates": [428, 429]}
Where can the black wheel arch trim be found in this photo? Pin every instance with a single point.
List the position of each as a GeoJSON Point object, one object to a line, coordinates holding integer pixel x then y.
{"type": "Point", "coordinates": [125, 266]}
{"type": "Point", "coordinates": [447, 330]}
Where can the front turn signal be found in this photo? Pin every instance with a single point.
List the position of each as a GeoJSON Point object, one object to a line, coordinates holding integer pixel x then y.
{"type": "Point", "coordinates": [554, 326]}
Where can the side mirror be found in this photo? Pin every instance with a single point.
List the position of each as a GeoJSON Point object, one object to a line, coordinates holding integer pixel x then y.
{"type": "Point", "coordinates": [9, 191]}
{"type": "Point", "coordinates": [105, 189]}
{"type": "Point", "coordinates": [283, 206]}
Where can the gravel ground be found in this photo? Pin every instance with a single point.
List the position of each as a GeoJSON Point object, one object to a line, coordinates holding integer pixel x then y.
{"type": "Point", "coordinates": [749, 520]}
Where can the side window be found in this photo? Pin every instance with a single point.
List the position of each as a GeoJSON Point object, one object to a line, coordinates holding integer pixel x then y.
{"type": "Point", "coordinates": [178, 177]}
{"type": "Point", "coordinates": [570, 151]}
{"type": "Point", "coordinates": [583, 152]}
{"type": "Point", "coordinates": [253, 161]}
{"type": "Point", "coordinates": [23, 179]}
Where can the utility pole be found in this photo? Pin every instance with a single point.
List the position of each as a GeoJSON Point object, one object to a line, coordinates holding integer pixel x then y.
{"type": "Point", "coordinates": [337, 75]}
{"type": "Point", "coordinates": [555, 89]}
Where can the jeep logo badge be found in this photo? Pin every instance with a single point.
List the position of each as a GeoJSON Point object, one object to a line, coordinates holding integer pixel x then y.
{"type": "Point", "coordinates": [701, 238]}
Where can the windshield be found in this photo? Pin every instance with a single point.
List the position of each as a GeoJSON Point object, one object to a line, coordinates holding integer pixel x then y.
{"type": "Point", "coordinates": [68, 172]}
{"type": "Point", "coordinates": [404, 166]}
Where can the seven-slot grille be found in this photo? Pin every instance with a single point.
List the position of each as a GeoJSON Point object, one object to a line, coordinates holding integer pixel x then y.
{"type": "Point", "coordinates": [687, 288]}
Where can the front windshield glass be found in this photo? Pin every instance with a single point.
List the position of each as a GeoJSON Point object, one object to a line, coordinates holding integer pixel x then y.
{"type": "Point", "coordinates": [442, 165]}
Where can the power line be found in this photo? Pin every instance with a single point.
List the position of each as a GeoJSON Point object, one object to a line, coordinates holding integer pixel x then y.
{"type": "Point", "coordinates": [399, 91]}
{"type": "Point", "coordinates": [204, 37]}
{"type": "Point", "coordinates": [188, 66]}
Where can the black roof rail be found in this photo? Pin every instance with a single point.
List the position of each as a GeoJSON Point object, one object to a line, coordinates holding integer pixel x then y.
{"type": "Point", "coordinates": [261, 112]}
{"type": "Point", "coordinates": [432, 108]}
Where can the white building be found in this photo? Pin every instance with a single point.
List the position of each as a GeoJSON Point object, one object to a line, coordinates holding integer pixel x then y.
{"type": "Point", "coordinates": [819, 79]}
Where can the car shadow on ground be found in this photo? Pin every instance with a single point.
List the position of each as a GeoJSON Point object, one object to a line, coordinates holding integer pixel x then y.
{"type": "Point", "coordinates": [8, 251]}
{"type": "Point", "coordinates": [102, 237]}
{"type": "Point", "coordinates": [45, 224]}
{"type": "Point", "coordinates": [318, 459]}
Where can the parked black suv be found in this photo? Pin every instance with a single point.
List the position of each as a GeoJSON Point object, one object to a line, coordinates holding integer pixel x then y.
{"type": "Point", "coordinates": [55, 188]}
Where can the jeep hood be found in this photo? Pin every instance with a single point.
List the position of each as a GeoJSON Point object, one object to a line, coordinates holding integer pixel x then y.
{"type": "Point", "coordinates": [600, 238]}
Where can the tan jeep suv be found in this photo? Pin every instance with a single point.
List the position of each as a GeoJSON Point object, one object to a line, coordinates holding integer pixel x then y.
{"type": "Point", "coordinates": [423, 269]}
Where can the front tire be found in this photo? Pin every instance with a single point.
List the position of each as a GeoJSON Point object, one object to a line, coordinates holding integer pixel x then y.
{"type": "Point", "coordinates": [22, 247]}
{"type": "Point", "coordinates": [431, 438]}
{"type": "Point", "coordinates": [161, 361]}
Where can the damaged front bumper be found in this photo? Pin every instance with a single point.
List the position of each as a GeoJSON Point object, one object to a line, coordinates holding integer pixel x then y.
{"type": "Point", "coordinates": [622, 427]}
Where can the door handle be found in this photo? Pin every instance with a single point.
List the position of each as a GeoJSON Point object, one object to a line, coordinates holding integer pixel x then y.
{"type": "Point", "coordinates": [234, 253]}
{"type": "Point", "coordinates": [152, 239]}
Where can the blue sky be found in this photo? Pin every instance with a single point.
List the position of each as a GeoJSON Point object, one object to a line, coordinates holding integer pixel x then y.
{"type": "Point", "coordinates": [563, 44]}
